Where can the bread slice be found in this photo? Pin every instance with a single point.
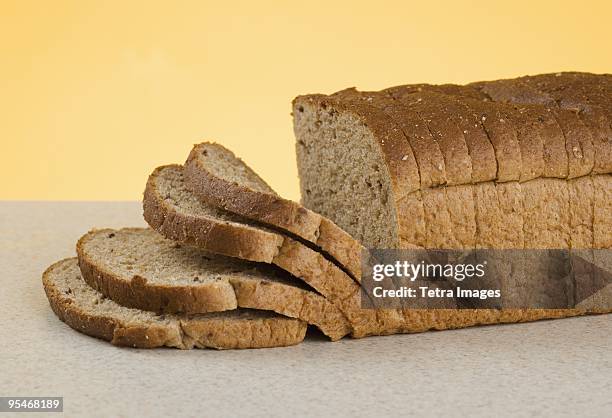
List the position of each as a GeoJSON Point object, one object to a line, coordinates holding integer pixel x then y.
{"type": "Point", "coordinates": [88, 311]}
{"type": "Point", "coordinates": [138, 268]}
{"type": "Point", "coordinates": [589, 95]}
{"type": "Point", "coordinates": [578, 138]}
{"type": "Point", "coordinates": [435, 107]}
{"type": "Point", "coordinates": [175, 212]}
{"type": "Point", "coordinates": [219, 178]}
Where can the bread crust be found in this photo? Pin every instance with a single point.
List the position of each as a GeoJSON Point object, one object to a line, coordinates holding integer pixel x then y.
{"type": "Point", "coordinates": [578, 143]}
{"type": "Point", "coordinates": [551, 105]}
{"type": "Point", "coordinates": [540, 104]}
{"type": "Point", "coordinates": [398, 154]}
{"type": "Point", "coordinates": [184, 333]}
{"type": "Point", "coordinates": [436, 107]}
{"type": "Point", "coordinates": [292, 256]}
{"type": "Point", "coordinates": [271, 210]}
{"type": "Point", "coordinates": [428, 156]}
{"type": "Point", "coordinates": [215, 235]}
{"type": "Point", "coordinates": [500, 130]}
{"type": "Point", "coordinates": [589, 95]}
{"type": "Point", "coordinates": [232, 292]}
{"type": "Point", "coordinates": [138, 292]}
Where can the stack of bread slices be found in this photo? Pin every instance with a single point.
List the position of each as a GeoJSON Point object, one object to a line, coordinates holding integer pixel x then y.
{"type": "Point", "coordinates": [227, 263]}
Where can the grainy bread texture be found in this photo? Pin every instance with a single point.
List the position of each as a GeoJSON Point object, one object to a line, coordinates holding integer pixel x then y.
{"type": "Point", "coordinates": [88, 311]}
{"type": "Point", "coordinates": [139, 268]}
{"type": "Point", "coordinates": [352, 172]}
{"type": "Point", "coordinates": [353, 159]}
{"type": "Point", "coordinates": [219, 178]}
{"type": "Point", "coordinates": [174, 211]}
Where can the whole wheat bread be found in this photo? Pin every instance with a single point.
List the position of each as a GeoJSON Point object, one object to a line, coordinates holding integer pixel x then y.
{"type": "Point", "coordinates": [139, 268]}
{"type": "Point", "coordinates": [357, 150]}
{"type": "Point", "coordinates": [377, 204]}
{"type": "Point", "coordinates": [88, 311]}
{"type": "Point", "coordinates": [216, 171]}
{"type": "Point", "coordinates": [174, 211]}
{"type": "Point", "coordinates": [219, 178]}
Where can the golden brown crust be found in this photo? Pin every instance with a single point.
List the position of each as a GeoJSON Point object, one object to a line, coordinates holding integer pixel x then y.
{"type": "Point", "coordinates": [501, 132]}
{"type": "Point", "coordinates": [398, 154]}
{"type": "Point", "coordinates": [436, 107]}
{"type": "Point", "coordinates": [578, 143]}
{"type": "Point", "coordinates": [427, 154]}
{"type": "Point", "coordinates": [215, 235]}
{"type": "Point", "coordinates": [586, 94]}
{"type": "Point", "coordinates": [454, 133]}
{"type": "Point", "coordinates": [559, 158]}
{"type": "Point", "coordinates": [233, 197]}
{"type": "Point", "coordinates": [509, 126]}
{"type": "Point", "coordinates": [272, 210]}
{"type": "Point", "coordinates": [533, 113]}
{"type": "Point", "coordinates": [184, 333]}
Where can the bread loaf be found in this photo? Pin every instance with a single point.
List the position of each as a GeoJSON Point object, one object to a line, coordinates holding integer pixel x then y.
{"type": "Point", "coordinates": [347, 146]}
{"type": "Point", "coordinates": [532, 179]}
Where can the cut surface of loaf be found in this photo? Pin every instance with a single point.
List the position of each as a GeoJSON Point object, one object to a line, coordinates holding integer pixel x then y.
{"type": "Point", "coordinates": [138, 268]}
{"type": "Point", "coordinates": [88, 311]}
{"type": "Point", "coordinates": [345, 163]}
{"type": "Point", "coordinates": [219, 178]}
{"type": "Point", "coordinates": [174, 211]}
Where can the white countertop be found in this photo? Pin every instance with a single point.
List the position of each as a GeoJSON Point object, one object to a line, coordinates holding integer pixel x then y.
{"type": "Point", "coordinates": [547, 368]}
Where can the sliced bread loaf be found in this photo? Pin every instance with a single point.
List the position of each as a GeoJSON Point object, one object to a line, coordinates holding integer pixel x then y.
{"type": "Point", "coordinates": [528, 144]}
{"type": "Point", "coordinates": [578, 138]}
{"type": "Point", "coordinates": [219, 178]}
{"type": "Point", "coordinates": [532, 214]}
{"type": "Point", "coordinates": [139, 268]}
{"type": "Point", "coordinates": [88, 311]}
{"type": "Point", "coordinates": [175, 212]}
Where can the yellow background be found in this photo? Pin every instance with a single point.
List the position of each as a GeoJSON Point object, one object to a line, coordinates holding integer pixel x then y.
{"type": "Point", "coordinates": [95, 94]}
